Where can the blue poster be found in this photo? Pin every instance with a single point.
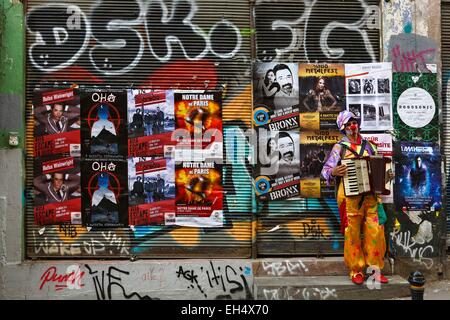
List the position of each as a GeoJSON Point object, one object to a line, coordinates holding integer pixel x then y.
{"type": "Point", "coordinates": [418, 183]}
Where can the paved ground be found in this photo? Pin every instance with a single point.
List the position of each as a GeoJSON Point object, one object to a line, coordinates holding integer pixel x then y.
{"type": "Point", "coordinates": [438, 290]}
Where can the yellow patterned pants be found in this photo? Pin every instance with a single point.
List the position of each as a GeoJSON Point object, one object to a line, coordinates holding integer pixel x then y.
{"type": "Point", "coordinates": [364, 242]}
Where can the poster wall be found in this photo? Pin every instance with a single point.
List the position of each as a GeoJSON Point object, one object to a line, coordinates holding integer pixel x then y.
{"type": "Point", "coordinates": [316, 147]}
{"type": "Point", "coordinates": [416, 114]}
{"type": "Point", "coordinates": [322, 95]}
{"type": "Point", "coordinates": [418, 176]}
{"type": "Point", "coordinates": [368, 90]}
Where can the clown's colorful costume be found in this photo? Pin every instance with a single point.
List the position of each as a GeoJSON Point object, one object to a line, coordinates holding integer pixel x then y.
{"type": "Point", "coordinates": [357, 212]}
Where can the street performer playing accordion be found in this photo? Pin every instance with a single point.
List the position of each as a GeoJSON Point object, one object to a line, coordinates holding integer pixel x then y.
{"type": "Point", "coordinates": [357, 211]}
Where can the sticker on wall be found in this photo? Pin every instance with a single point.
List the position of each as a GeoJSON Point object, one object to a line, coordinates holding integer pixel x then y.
{"type": "Point", "coordinates": [275, 96]}
{"type": "Point", "coordinates": [369, 94]}
{"type": "Point", "coordinates": [151, 190]}
{"type": "Point", "coordinates": [151, 122]}
{"type": "Point", "coordinates": [322, 95]}
{"type": "Point", "coordinates": [57, 122]}
{"type": "Point", "coordinates": [418, 176]}
{"type": "Point", "coordinates": [416, 114]}
{"type": "Point", "coordinates": [57, 192]}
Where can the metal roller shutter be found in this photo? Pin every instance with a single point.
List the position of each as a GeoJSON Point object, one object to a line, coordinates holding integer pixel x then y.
{"type": "Point", "coordinates": [445, 47]}
{"type": "Point", "coordinates": [295, 32]}
{"type": "Point", "coordinates": [78, 38]}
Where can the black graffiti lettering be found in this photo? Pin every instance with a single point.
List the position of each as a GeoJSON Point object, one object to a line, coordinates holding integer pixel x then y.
{"type": "Point", "coordinates": [68, 230]}
{"type": "Point", "coordinates": [174, 27]}
{"type": "Point", "coordinates": [271, 34]}
{"type": "Point", "coordinates": [238, 287]}
{"type": "Point", "coordinates": [60, 43]}
{"type": "Point", "coordinates": [113, 279]}
{"type": "Point", "coordinates": [116, 37]}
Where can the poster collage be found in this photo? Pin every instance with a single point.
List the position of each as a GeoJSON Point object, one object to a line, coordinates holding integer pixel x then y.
{"type": "Point", "coordinates": [115, 158]}
{"type": "Point", "coordinates": [295, 111]}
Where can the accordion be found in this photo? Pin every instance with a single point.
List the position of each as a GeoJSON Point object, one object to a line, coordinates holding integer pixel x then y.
{"type": "Point", "coordinates": [367, 175]}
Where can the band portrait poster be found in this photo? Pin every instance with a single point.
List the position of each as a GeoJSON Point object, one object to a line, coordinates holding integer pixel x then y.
{"type": "Point", "coordinates": [416, 114]}
{"type": "Point", "coordinates": [276, 96]}
{"type": "Point", "coordinates": [104, 124]}
{"type": "Point", "coordinates": [315, 148]}
{"type": "Point", "coordinates": [418, 176]}
{"type": "Point", "coordinates": [383, 141]}
{"type": "Point", "coordinates": [277, 174]}
{"type": "Point", "coordinates": [368, 90]}
{"type": "Point", "coordinates": [151, 191]}
{"type": "Point", "coordinates": [57, 122]}
{"type": "Point", "coordinates": [151, 122]}
{"type": "Point", "coordinates": [322, 95]}
{"type": "Point", "coordinates": [57, 190]}
{"type": "Point", "coordinates": [104, 193]}
{"type": "Point", "coordinates": [198, 159]}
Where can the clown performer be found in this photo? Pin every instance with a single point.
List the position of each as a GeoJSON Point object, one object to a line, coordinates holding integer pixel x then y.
{"type": "Point", "coordinates": [358, 213]}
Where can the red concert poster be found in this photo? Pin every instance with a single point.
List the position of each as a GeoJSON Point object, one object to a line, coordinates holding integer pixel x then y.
{"type": "Point", "coordinates": [151, 122]}
{"type": "Point", "coordinates": [57, 122]}
{"type": "Point", "coordinates": [57, 197]}
{"type": "Point", "coordinates": [151, 191]}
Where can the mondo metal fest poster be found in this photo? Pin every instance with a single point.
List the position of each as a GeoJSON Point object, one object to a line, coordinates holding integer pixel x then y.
{"type": "Point", "coordinates": [322, 95]}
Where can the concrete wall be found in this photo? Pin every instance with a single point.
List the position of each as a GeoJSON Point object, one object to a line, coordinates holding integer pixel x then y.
{"type": "Point", "coordinates": [12, 95]}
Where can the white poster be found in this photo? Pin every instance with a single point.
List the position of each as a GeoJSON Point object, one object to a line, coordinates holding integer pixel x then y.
{"type": "Point", "coordinates": [385, 148]}
{"type": "Point", "coordinates": [369, 94]}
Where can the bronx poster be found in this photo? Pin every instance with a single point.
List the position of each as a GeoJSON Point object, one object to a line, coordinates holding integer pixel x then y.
{"type": "Point", "coordinates": [322, 95]}
{"type": "Point", "coordinates": [416, 114]}
{"type": "Point", "coordinates": [198, 159]}
{"type": "Point", "coordinates": [316, 146]}
{"type": "Point", "coordinates": [275, 96]}
{"type": "Point", "coordinates": [418, 176]}
{"type": "Point", "coordinates": [277, 174]}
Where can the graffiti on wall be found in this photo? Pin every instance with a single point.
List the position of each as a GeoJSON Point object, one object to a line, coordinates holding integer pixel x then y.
{"type": "Point", "coordinates": [77, 241]}
{"type": "Point", "coordinates": [114, 278]}
{"type": "Point", "coordinates": [292, 293]}
{"type": "Point", "coordinates": [232, 281]}
{"type": "Point", "coordinates": [114, 30]}
{"type": "Point", "coordinates": [416, 236]}
{"type": "Point", "coordinates": [410, 52]}
{"type": "Point", "coordinates": [297, 29]}
{"type": "Point", "coordinates": [71, 278]}
{"type": "Point", "coordinates": [178, 48]}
